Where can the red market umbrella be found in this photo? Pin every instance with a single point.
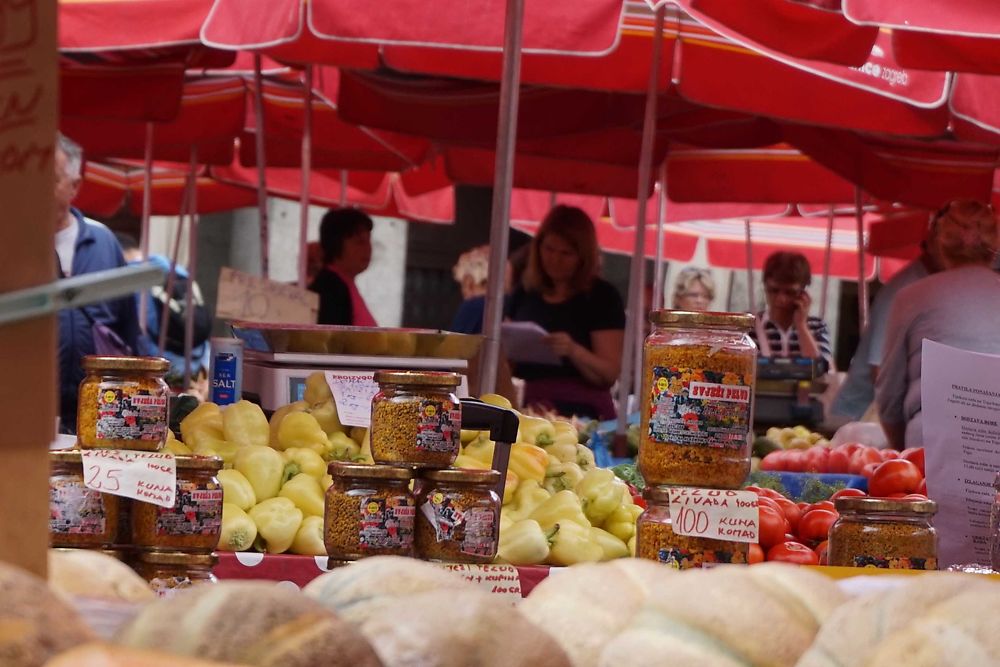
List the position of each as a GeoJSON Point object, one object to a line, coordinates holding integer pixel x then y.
{"type": "Point", "coordinates": [149, 92]}
{"type": "Point", "coordinates": [958, 35]}
{"type": "Point", "coordinates": [975, 108]}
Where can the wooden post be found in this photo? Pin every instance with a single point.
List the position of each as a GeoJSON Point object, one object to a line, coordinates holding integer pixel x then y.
{"type": "Point", "coordinates": [28, 94]}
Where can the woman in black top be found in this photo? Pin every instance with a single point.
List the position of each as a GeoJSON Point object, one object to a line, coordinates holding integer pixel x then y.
{"type": "Point", "coordinates": [583, 314]}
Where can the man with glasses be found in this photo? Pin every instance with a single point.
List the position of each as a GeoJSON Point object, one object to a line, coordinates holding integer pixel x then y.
{"type": "Point", "coordinates": [785, 329]}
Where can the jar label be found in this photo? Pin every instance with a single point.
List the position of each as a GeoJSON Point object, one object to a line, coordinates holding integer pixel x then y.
{"type": "Point", "coordinates": [685, 559]}
{"type": "Point", "coordinates": [386, 523]}
{"type": "Point", "coordinates": [699, 407]}
{"type": "Point", "coordinates": [75, 509]}
{"type": "Point", "coordinates": [167, 587]}
{"type": "Point", "coordinates": [439, 426]}
{"type": "Point", "coordinates": [198, 511]}
{"type": "Point", "coordinates": [474, 526]}
{"type": "Point", "coordinates": [127, 412]}
{"type": "Point", "coordinates": [896, 563]}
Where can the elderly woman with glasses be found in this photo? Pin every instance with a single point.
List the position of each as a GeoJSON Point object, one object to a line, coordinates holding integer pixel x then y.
{"type": "Point", "coordinates": [694, 289]}
{"type": "Point", "coordinates": [959, 306]}
{"type": "Point", "coordinates": [785, 329]}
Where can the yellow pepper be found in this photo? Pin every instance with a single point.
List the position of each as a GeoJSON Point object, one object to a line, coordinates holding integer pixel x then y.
{"type": "Point", "coordinates": [480, 448]}
{"type": "Point", "coordinates": [206, 445]}
{"type": "Point", "coordinates": [326, 482]}
{"type": "Point", "coordinates": [563, 429]}
{"type": "Point", "coordinates": [300, 459]}
{"type": "Point", "coordinates": [309, 539]}
{"type": "Point", "coordinates": [631, 546]}
{"type": "Point", "coordinates": [278, 521]}
{"type": "Point", "coordinates": [528, 462]}
{"type": "Point", "coordinates": [264, 469]}
{"type": "Point", "coordinates": [275, 421]}
{"type": "Point", "coordinates": [536, 431]}
{"type": "Point", "coordinates": [585, 457]}
{"type": "Point", "coordinates": [342, 448]}
{"type": "Point", "coordinates": [565, 452]}
{"type": "Point", "coordinates": [300, 429]}
{"type": "Point", "coordinates": [621, 522]}
{"type": "Point", "coordinates": [562, 476]}
{"type": "Point", "coordinates": [365, 456]}
{"type": "Point", "coordinates": [510, 487]}
{"type": "Point", "coordinates": [528, 496]}
{"type": "Point", "coordinates": [523, 543]}
{"type": "Point", "coordinates": [206, 417]}
{"type": "Point", "coordinates": [327, 417]}
{"type": "Point", "coordinates": [466, 461]}
{"type": "Point", "coordinates": [238, 529]}
{"type": "Point", "coordinates": [177, 448]}
{"type": "Point", "coordinates": [571, 543]}
{"type": "Point", "coordinates": [305, 491]}
{"type": "Point", "coordinates": [497, 400]}
{"type": "Point", "coordinates": [611, 546]}
{"type": "Point", "coordinates": [563, 507]}
{"type": "Point", "coordinates": [601, 493]}
{"type": "Point", "coordinates": [244, 423]}
{"type": "Point", "coordinates": [466, 436]}
{"type": "Point", "coordinates": [317, 388]}
{"type": "Point", "coordinates": [236, 489]}
{"type": "Point", "coordinates": [358, 434]}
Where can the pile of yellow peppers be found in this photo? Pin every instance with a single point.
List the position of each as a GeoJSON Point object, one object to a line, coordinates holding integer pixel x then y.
{"type": "Point", "coordinates": [275, 471]}
{"type": "Point", "coordinates": [558, 507]}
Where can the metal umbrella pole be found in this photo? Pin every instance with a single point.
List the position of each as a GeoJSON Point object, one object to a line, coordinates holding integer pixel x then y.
{"type": "Point", "coordinates": [147, 207]}
{"type": "Point", "coordinates": [192, 266]}
{"type": "Point", "coordinates": [633, 318]}
{"type": "Point", "coordinates": [258, 105]}
{"type": "Point", "coordinates": [161, 341]}
{"type": "Point", "coordinates": [510, 94]}
{"type": "Point", "coordinates": [751, 299]}
{"type": "Point", "coordinates": [862, 285]}
{"type": "Point", "coordinates": [661, 218]}
{"type": "Point", "coordinates": [306, 174]}
{"type": "Point", "coordinates": [827, 259]}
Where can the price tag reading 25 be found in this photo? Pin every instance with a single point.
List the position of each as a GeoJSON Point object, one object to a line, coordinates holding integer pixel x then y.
{"type": "Point", "coordinates": [715, 514]}
{"type": "Point", "coordinates": [147, 476]}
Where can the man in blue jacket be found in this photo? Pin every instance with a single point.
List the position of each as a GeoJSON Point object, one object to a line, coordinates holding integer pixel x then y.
{"type": "Point", "coordinates": [83, 246]}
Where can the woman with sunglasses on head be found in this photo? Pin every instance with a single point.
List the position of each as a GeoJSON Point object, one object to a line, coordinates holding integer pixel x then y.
{"type": "Point", "coordinates": [785, 328]}
{"type": "Point", "coordinates": [694, 289]}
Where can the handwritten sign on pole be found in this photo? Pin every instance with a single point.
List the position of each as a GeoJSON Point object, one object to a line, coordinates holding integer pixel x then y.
{"type": "Point", "coordinates": [715, 514]}
{"type": "Point", "coordinates": [147, 476]}
{"type": "Point", "coordinates": [243, 296]}
{"type": "Point", "coordinates": [353, 392]}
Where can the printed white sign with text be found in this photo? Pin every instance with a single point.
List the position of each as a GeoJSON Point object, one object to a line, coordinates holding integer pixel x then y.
{"type": "Point", "coordinates": [353, 392]}
{"type": "Point", "coordinates": [147, 476]}
{"type": "Point", "coordinates": [715, 514]}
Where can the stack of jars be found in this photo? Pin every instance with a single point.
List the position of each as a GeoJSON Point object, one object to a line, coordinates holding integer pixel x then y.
{"type": "Point", "coordinates": [411, 502]}
{"type": "Point", "coordinates": [123, 405]}
{"type": "Point", "coordinates": [696, 426]}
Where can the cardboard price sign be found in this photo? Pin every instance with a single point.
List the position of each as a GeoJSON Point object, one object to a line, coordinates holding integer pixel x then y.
{"type": "Point", "coordinates": [353, 392]}
{"type": "Point", "coordinates": [247, 297]}
{"type": "Point", "coordinates": [496, 579]}
{"type": "Point", "coordinates": [147, 476]}
{"type": "Point", "coordinates": [715, 514]}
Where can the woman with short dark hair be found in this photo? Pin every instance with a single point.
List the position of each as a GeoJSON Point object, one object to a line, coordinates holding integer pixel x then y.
{"type": "Point", "coordinates": [563, 293]}
{"type": "Point", "coordinates": [345, 235]}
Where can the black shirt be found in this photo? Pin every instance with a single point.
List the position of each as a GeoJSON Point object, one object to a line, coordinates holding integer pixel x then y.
{"type": "Point", "coordinates": [598, 309]}
{"type": "Point", "coordinates": [334, 298]}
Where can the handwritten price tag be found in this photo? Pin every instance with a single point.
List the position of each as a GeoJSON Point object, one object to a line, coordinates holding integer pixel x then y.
{"type": "Point", "coordinates": [147, 476]}
{"type": "Point", "coordinates": [497, 579]}
{"type": "Point", "coordinates": [715, 514]}
{"type": "Point", "coordinates": [353, 392]}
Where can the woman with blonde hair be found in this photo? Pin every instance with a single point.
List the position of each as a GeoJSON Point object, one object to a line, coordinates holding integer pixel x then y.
{"type": "Point", "coordinates": [562, 292]}
{"type": "Point", "coordinates": [694, 289]}
{"type": "Point", "coordinates": [959, 306]}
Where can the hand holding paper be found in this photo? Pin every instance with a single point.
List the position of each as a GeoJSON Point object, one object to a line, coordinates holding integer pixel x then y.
{"type": "Point", "coordinates": [526, 342]}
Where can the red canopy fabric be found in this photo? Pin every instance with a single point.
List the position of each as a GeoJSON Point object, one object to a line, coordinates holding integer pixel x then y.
{"type": "Point", "coordinates": [149, 92]}
{"type": "Point", "coordinates": [799, 28]}
{"type": "Point", "coordinates": [958, 35]}
{"type": "Point", "coordinates": [344, 32]}
{"type": "Point", "coordinates": [975, 107]}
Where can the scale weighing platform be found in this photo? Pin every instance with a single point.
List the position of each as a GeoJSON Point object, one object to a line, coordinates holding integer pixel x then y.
{"type": "Point", "coordinates": [274, 379]}
{"type": "Point", "coordinates": [787, 392]}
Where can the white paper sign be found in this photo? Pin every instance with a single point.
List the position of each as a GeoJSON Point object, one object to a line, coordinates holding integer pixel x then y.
{"type": "Point", "coordinates": [496, 579]}
{"type": "Point", "coordinates": [243, 296]}
{"type": "Point", "coordinates": [715, 514]}
{"type": "Point", "coordinates": [960, 405]}
{"type": "Point", "coordinates": [524, 342]}
{"type": "Point", "coordinates": [147, 476]}
{"type": "Point", "coordinates": [353, 392]}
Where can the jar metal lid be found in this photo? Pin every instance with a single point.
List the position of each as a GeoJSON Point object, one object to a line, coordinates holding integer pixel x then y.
{"type": "Point", "coordinates": [340, 469]}
{"type": "Point", "coordinates": [468, 475]}
{"type": "Point", "coordinates": [177, 558]}
{"type": "Point", "coordinates": [65, 456]}
{"type": "Point", "coordinates": [657, 494]}
{"type": "Point", "coordinates": [419, 378]}
{"type": "Point", "coordinates": [885, 505]}
{"type": "Point", "coordinates": [143, 364]}
{"type": "Point", "coordinates": [189, 462]}
{"type": "Point", "coordinates": [702, 319]}
{"type": "Point", "coordinates": [117, 554]}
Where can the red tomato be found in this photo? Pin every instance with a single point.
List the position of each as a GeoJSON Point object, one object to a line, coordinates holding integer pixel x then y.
{"type": "Point", "coordinates": [889, 454]}
{"type": "Point", "coordinates": [764, 501]}
{"type": "Point", "coordinates": [803, 507]}
{"type": "Point", "coordinates": [756, 554]}
{"type": "Point", "coordinates": [817, 459]}
{"type": "Point", "coordinates": [793, 552]}
{"type": "Point", "coordinates": [848, 493]}
{"type": "Point", "coordinates": [915, 455]}
{"type": "Point", "coordinates": [821, 551]}
{"type": "Point", "coordinates": [791, 511]}
{"type": "Point", "coordinates": [639, 500]}
{"type": "Point", "coordinates": [923, 487]}
{"type": "Point", "coordinates": [862, 457]}
{"type": "Point", "coordinates": [869, 470]}
{"type": "Point", "coordinates": [772, 526]}
{"type": "Point", "coordinates": [838, 462]}
{"type": "Point", "coordinates": [751, 487]}
{"type": "Point", "coordinates": [850, 447]}
{"type": "Point", "coordinates": [915, 496]}
{"type": "Point", "coordinates": [822, 505]}
{"type": "Point", "coordinates": [770, 493]}
{"type": "Point", "coordinates": [814, 526]}
{"type": "Point", "coordinates": [895, 476]}
{"type": "Point", "coordinates": [773, 462]}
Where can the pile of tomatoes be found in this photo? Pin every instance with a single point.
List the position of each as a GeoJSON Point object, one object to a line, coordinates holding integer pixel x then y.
{"type": "Point", "coordinates": [850, 458]}
{"type": "Point", "coordinates": [798, 532]}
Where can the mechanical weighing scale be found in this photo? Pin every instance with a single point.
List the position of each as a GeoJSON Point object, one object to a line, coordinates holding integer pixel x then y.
{"type": "Point", "coordinates": [787, 392]}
